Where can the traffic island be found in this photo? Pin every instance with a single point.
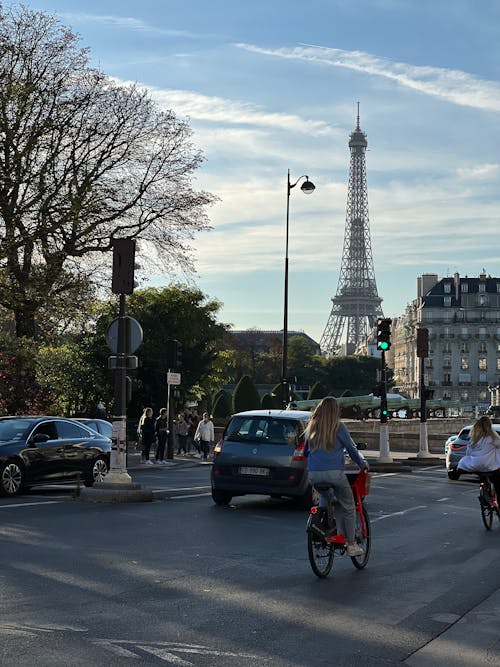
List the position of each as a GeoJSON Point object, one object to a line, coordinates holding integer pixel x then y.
{"type": "Point", "coordinates": [393, 466]}
{"type": "Point", "coordinates": [417, 461]}
{"type": "Point", "coordinates": [113, 492]}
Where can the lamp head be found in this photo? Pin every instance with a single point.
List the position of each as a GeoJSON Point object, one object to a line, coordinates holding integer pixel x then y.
{"type": "Point", "coordinates": [307, 186]}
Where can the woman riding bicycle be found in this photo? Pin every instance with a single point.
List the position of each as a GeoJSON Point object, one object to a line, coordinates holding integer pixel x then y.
{"type": "Point", "coordinates": [483, 452]}
{"type": "Point", "coordinates": [326, 439]}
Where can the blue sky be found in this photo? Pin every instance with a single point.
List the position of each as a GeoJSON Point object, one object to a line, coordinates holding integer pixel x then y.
{"type": "Point", "coordinates": [271, 85]}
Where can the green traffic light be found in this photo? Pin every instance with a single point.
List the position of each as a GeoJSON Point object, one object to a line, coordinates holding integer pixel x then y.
{"type": "Point", "coordinates": [383, 345]}
{"type": "Point", "coordinates": [384, 412]}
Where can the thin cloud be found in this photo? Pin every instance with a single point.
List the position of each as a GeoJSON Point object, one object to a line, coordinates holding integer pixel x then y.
{"type": "Point", "coordinates": [127, 23]}
{"type": "Point", "coordinates": [452, 85]}
{"type": "Point", "coordinates": [233, 112]}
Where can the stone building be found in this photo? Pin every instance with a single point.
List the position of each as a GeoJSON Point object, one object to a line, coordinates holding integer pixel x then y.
{"type": "Point", "coordinates": [462, 316]}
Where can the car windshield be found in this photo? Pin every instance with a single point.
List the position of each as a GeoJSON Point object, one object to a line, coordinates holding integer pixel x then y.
{"type": "Point", "coordinates": [14, 429]}
{"type": "Point", "coordinates": [265, 430]}
{"type": "Point", "coordinates": [464, 434]}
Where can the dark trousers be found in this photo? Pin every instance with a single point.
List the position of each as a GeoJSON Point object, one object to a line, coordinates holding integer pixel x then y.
{"type": "Point", "coordinates": [205, 448]}
{"type": "Point", "coordinates": [160, 448]}
{"type": "Point", "coordinates": [147, 441]}
{"type": "Point", "coordinates": [495, 478]}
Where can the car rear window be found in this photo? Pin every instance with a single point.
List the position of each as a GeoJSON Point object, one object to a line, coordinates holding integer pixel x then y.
{"type": "Point", "coordinates": [464, 434]}
{"type": "Point", "coordinates": [265, 430]}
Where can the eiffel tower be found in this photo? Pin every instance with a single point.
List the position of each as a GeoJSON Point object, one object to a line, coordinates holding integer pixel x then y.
{"type": "Point", "coordinates": [356, 303]}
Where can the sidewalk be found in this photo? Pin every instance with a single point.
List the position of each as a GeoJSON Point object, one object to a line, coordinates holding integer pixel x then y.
{"type": "Point", "coordinates": [134, 461]}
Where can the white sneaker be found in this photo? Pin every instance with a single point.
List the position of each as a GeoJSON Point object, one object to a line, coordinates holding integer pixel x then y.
{"type": "Point", "coordinates": [149, 463]}
{"type": "Point", "coordinates": [354, 550]}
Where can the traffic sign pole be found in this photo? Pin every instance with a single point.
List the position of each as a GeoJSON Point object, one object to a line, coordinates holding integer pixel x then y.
{"type": "Point", "coordinates": [118, 472]}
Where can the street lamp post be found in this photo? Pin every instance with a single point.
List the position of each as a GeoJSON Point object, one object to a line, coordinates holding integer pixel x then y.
{"type": "Point", "coordinates": [307, 187]}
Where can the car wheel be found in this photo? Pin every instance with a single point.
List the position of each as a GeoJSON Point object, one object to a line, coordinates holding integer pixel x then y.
{"type": "Point", "coordinates": [221, 497]}
{"type": "Point", "coordinates": [97, 473]}
{"type": "Point", "coordinates": [11, 478]}
{"type": "Point", "coordinates": [453, 474]}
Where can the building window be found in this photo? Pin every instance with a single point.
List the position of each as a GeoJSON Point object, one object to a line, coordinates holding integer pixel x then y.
{"type": "Point", "coordinates": [482, 300]}
{"type": "Point", "coordinates": [482, 287]}
{"type": "Point", "coordinates": [464, 347]}
{"type": "Point", "coordinates": [447, 363]}
{"type": "Point", "coordinates": [483, 396]}
{"type": "Point", "coordinates": [446, 396]}
{"type": "Point", "coordinates": [498, 288]}
{"type": "Point", "coordinates": [483, 348]}
{"type": "Point", "coordinates": [447, 301]}
{"type": "Point", "coordinates": [447, 346]}
{"type": "Point", "coordinates": [464, 363]}
{"type": "Point", "coordinates": [447, 288]}
{"type": "Point", "coordinates": [465, 287]}
{"type": "Point", "coordinates": [464, 395]}
{"type": "Point", "coordinates": [483, 377]}
{"type": "Point", "coordinates": [447, 378]}
{"type": "Point", "coordinates": [483, 364]}
{"type": "Point", "coordinates": [498, 364]}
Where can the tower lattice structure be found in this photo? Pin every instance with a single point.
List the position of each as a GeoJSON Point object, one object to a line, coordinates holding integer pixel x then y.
{"type": "Point", "coordinates": [356, 305]}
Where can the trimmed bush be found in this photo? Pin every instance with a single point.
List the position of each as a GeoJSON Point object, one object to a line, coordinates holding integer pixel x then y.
{"type": "Point", "coordinates": [222, 405]}
{"type": "Point", "coordinates": [245, 395]}
{"type": "Point", "coordinates": [318, 390]}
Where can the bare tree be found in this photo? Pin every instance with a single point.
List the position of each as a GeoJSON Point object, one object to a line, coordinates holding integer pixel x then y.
{"type": "Point", "coordinates": [82, 160]}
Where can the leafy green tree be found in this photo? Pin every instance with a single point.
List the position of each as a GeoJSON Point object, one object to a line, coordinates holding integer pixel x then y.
{"type": "Point", "coordinates": [177, 312]}
{"type": "Point", "coordinates": [83, 160]}
{"type": "Point", "coordinates": [245, 395]}
{"type": "Point", "coordinates": [356, 373]}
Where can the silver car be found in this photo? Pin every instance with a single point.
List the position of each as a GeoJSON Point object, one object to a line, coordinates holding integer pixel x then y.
{"type": "Point", "coordinates": [262, 452]}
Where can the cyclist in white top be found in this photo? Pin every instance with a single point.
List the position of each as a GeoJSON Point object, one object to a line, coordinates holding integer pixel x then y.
{"type": "Point", "coordinates": [483, 452]}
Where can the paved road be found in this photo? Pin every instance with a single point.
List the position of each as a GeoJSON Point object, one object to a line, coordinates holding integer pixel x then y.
{"type": "Point", "coordinates": [182, 582]}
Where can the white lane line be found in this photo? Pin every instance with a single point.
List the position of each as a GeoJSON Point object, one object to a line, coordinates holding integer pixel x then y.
{"type": "Point", "coordinates": [193, 495]}
{"type": "Point", "coordinates": [441, 500]}
{"type": "Point", "coordinates": [48, 502]}
{"type": "Point", "coordinates": [401, 513]}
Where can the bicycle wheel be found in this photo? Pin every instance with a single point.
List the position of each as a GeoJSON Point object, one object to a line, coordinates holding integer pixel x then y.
{"type": "Point", "coordinates": [486, 508]}
{"type": "Point", "coordinates": [365, 542]}
{"type": "Point", "coordinates": [321, 555]}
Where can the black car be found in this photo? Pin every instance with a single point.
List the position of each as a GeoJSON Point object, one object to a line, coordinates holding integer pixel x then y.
{"type": "Point", "coordinates": [102, 426]}
{"type": "Point", "coordinates": [42, 450]}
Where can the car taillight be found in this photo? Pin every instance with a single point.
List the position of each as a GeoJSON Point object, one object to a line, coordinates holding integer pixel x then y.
{"type": "Point", "coordinates": [298, 454]}
{"type": "Point", "coordinates": [456, 447]}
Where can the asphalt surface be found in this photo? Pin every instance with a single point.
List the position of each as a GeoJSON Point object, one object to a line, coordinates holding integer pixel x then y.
{"type": "Point", "coordinates": [473, 639]}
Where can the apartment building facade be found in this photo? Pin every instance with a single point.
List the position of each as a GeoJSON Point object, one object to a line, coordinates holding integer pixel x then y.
{"type": "Point", "coordinates": [462, 315]}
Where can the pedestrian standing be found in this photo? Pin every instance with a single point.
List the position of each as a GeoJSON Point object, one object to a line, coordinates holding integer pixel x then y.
{"type": "Point", "coordinates": [147, 433]}
{"type": "Point", "coordinates": [205, 434]}
{"type": "Point", "coordinates": [193, 420]}
{"type": "Point", "coordinates": [181, 430]}
{"type": "Point", "coordinates": [161, 431]}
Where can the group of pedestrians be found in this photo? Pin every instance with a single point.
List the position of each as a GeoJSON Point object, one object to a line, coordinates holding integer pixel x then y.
{"type": "Point", "coordinates": [190, 433]}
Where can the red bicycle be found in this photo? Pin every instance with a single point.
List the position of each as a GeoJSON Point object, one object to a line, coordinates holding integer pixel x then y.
{"type": "Point", "coordinates": [323, 540]}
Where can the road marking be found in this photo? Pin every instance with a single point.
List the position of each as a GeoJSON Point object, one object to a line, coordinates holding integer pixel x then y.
{"type": "Point", "coordinates": [193, 495]}
{"type": "Point", "coordinates": [41, 502]}
{"type": "Point", "coordinates": [441, 500]}
{"type": "Point", "coordinates": [167, 651]}
{"type": "Point", "coordinates": [401, 513]}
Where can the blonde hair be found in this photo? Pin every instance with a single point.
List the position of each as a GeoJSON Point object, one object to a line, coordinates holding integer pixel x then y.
{"type": "Point", "coordinates": [482, 429]}
{"type": "Point", "coordinates": [144, 415]}
{"type": "Point", "coordinates": [321, 431]}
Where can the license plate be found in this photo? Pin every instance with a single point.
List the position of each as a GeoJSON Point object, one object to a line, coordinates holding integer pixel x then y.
{"type": "Point", "coordinates": [251, 470]}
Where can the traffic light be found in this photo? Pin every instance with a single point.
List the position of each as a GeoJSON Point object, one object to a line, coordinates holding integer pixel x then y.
{"type": "Point", "coordinates": [122, 281]}
{"type": "Point", "coordinates": [174, 354]}
{"type": "Point", "coordinates": [384, 334]}
{"type": "Point", "coordinates": [422, 343]}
